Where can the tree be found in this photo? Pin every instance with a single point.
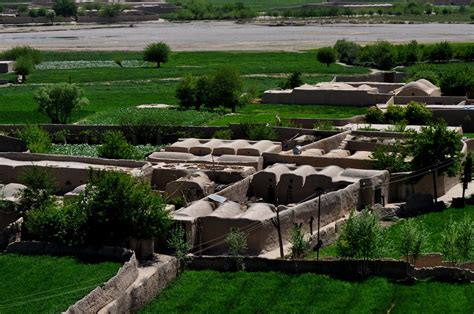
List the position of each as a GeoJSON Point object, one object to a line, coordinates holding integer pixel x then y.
{"type": "Point", "coordinates": [204, 92]}
{"type": "Point", "coordinates": [409, 53]}
{"type": "Point", "coordinates": [58, 101]}
{"type": "Point", "coordinates": [347, 51]}
{"type": "Point", "coordinates": [22, 51]}
{"type": "Point", "coordinates": [23, 67]}
{"type": "Point", "coordinates": [157, 53]}
{"type": "Point", "coordinates": [383, 55]}
{"type": "Point", "coordinates": [326, 55]}
{"type": "Point", "coordinates": [417, 113]}
{"type": "Point", "coordinates": [391, 158]}
{"type": "Point", "coordinates": [361, 237]}
{"type": "Point", "coordinates": [413, 238]}
{"type": "Point", "coordinates": [40, 187]}
{"type": "Point", "coordinates": [186, 92]}
{"type": "Point", "coordinates": [111, 10]}
{"type": "Point", "coordinates": [51, 15]}
{"type": "Point", "coordinates": [65, 7]}
{"type": "Point", "coordinates": [434, 145]}
{"type": "Point", "coordinates": [226, 88]}
{"type": "Point", "coordinates": [374, 115]}
{"type": "Point", "coordinates": [466, 176]}
{"type": "Point", "coordinates": [442, 52]}
{"type": "Point", "coordinates": [37, 140]}
{"type": "Point", "coordinates": [292, 81]}
{"type": "Point", "coordinates": [457, 83]}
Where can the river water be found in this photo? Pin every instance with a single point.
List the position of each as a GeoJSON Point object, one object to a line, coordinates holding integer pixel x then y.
{"type": "Point", "coordinates": [227, 35]}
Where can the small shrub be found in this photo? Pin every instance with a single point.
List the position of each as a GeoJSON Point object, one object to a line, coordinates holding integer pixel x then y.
{"type": "Point", "coordinates": [23, 67]}
{"type": "Point", "coordinates": [37, 140]}
{"type": "Point", "coordinates": [374, 115]}
{"type": "Point", "coordinates": [223, 134]}
{"type": "Point", "coordinates": [413, 238]}
{"type": "Point", "coordinates": [177, 241]}
{"type": "Point", "coordinates": [39, 190]}
{"type": "Point", "coordinates": [299, 245]}
{"type": "Point", "coordinates": [292, 81]}
{"type": "Point", "coordinates": [236, 240]}
{"type": "Point", "coordinates": [323, 125]}
{"type": "Point", "coordinates": [395, 113]}
{"type": "Point", "coordinates": [258, 132]}
{"type": "Point", "coordinates": [417, 113]}
{"type": "Point", "coordinates": [361, 237]}
{"type": "Point", "coordinates": [115, 146]}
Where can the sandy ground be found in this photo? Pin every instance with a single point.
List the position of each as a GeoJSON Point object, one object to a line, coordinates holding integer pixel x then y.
{"type": "Point", "coordinates": [208, 36]}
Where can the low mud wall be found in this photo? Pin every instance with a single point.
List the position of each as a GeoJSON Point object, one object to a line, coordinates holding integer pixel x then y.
{"type": "Point", "coordinates": [339, 269]}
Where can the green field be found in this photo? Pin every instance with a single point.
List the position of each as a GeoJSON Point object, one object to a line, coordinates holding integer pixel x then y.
{"type": "Point", "coordinates": [45, 284]}
{"type": "Point", "coordinates": [214, 292]}
{"type": "Point", "coordinates": [433, 223]}
{"type": "Point", "coordinates": [88, 150]}
{"type": "Point", "coordinates": [111, 88]}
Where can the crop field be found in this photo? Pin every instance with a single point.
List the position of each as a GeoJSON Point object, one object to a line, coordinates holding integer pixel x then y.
{"type": "Point", "coordinates": [214, 292]}
{"type": "Point", "coordinates": [88, 150]}
{"type": "Point", "coordinates": [45, 284]}
{"type": "Point", "coordinates": [433, 223]}
{"type": "Point", "coordinates": [112, 88]}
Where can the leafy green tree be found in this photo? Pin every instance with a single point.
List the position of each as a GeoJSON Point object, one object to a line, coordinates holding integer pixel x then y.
{"type": "Point", "coordinates": [374, 115]}
{"type": "Point", "coordinates": [65, 8]}
{"type": "Point", "coordinates": [326, 55]}
{"type": "Point", "coordinates": [299, 245]}
{"type": "Point", "coordinates": [409, 53]}
{"type": "Point", "coordinates": [111, 10]}
{"type": "Point", "coordinates": [413, 238]}
{"type": "Point", "coordinates": [204, 92]}
{"type": "Point", "coordinates": [157, 53]}
{"type": "Point", "coordinates": [58, 101]}
{"type": "Point", "coordinates": [361, 237]}
{"type": "Point", "coordinates": [466, 176]}
{"type": "Point", "coordinates": [457, 83]}
{"type": "Point", "coordinates": [347, 51]}
{"type": "Point", "coordinates": [115, 146]}
{"type": "Point", "coordinates": [391, 158]}
{"type": "Point", "coordinates": [186, 92]}
{"type": "Point", "coordinates": [433, 145]}
{"type": "Point", "coordinates": [292, 81]}
{"type": "Point", "coordinates": [51, 15]}
{"type": "Point", "coordinates": [22, 51]}
{"type": "Point", "coordinates": [384, 55]}
{"type": "Point", "coordinates": [227, 88]}
{"type": "Point", "coordinates": [441, 52]}
{"type": "Point", "coordinates": [23, 67]}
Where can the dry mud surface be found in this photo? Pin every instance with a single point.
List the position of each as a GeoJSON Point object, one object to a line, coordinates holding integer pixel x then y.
{"type": "Point", "coordinates": [224, 35]}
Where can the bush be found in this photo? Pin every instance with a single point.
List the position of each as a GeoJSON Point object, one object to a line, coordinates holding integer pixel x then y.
{"type": "Point", "coordinates": [111, 10]}
{"type": "Point", "coordinates": [37, 140]}
{"type": "Point", "coordinates": [384, 55]}
{"type": "Point", "coordinates": [177, 241]}
{"type": "Point", "coordinates": [227, 88]}
{"type": "Point", "coordinates": [417, 113]}
{"type": "Point", "coordinates": [157, 53]}
{"type": "Point", "coordinates": [374, 115]}
{"type": "Point", "coordinates": [115, 146]}
{"type": "Point", "coordinates": [204, 92]}
{"type": "Point", "coordinates": [23, 67]}
{"type": "Point", "coordinates": [395, 114]}
{"type": "Point", "coordinates": [326, 55]}
{"type": "Point", "coordinates": [186, 92]}
{"type": "Point", "coordinates": [299, 245]}
{"type": "Point", "coordinates": [347, 51]}
{"type": "Point", "coordinates": [408, 54]}
{"type": "Point", "coordinates": [22, 51]}
{"type": "Point", "coordinates": [39, 190]}
{"type": "Point", "coordinates": [457, 83]}
{"type": "Point", "coordinates": [223, 134]}
{"type": "Point", "coordinates": [118, 207]}
{"type": "Point", "coordinates": [58, 101]}
{"type": "Point", "coordinates": [413, 238]}
{"type": "Point", "coordinates": [391, 158]}
{"type": "Point", "coordinates": [258, 131]}
{"type": "Point", "coordinates": [458, 240]}
{"type": "Point", "coordinates": [441, 52]}
{"type": "Point", "coordinates": [236, 240]}
{"type": "Point", "coordinates": [292, 81]}
{"type": "Point", "coordinates": [361, 237]}
{"type": "Point", "coordinates": [65, 7]}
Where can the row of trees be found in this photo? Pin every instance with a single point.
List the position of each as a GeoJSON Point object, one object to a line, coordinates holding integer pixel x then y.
{"type": "Point", "coordinates": [384, 55]}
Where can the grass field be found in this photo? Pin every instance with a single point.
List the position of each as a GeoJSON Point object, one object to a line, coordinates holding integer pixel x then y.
{"type": "Point", "coordinates": [111, 88]}
{"type": "Point", "coordinates": [433, 223]}
{"type": "Point", "coordinates": [214, 292]}
{"type": "Point", "coordinates": [45, 284]}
